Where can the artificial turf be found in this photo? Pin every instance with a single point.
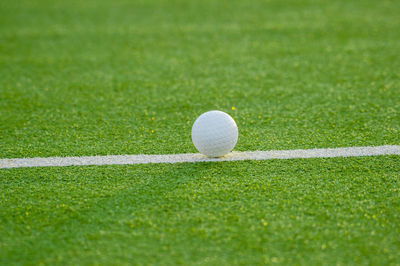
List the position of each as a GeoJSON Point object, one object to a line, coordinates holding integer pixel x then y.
{"type": "Point", "coordinates": [303, 211]}
{"type": "Point", "coordinates": [129, 77]}
{"type": "Point", "coordinates": [89, 77]}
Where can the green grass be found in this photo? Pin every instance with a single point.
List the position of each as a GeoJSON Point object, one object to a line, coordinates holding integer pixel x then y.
{"type": "Point", "coordinates": [309, 211]}
{"type": "Point", "coordinates": [87, 78]}
{"type": "Point", "coordinates": [127, 77]}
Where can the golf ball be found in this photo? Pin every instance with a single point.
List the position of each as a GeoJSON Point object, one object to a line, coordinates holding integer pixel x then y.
{"type": "Point", "coordinates": [214, 133]}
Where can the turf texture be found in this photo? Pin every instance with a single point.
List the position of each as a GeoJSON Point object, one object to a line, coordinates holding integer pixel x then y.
{"type": "Point", "coordinates": [130, 77]}
{"type": "Point", "coordinates": [303, 211]}
{"type": "Point", "coordinates": [116, 78]}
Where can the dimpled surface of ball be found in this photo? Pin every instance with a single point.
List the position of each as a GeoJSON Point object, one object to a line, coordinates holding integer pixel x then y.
{"type": "Point", "coordinates": [214, 133]}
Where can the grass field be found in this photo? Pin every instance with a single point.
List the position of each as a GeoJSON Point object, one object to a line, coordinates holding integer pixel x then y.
{"type": "Point", "coordinates": [130, 77]}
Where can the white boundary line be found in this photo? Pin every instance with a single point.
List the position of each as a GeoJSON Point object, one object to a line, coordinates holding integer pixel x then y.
{"type": "Point", "coordinates": [196, 157]}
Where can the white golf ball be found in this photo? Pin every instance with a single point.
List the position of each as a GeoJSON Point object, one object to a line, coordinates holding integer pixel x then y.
{"type": "Point", "coordinates": [214, 133]}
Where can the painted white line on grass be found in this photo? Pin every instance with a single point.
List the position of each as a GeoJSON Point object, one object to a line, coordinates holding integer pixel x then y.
{"type": "Point", "coordinates": [196, 157]}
